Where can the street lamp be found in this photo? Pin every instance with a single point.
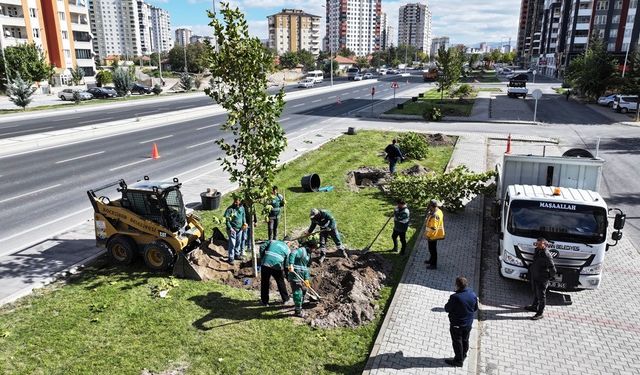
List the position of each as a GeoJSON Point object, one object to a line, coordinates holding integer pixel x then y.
{"type": "Point", "coordinates": [330, 50]}
{"type": "Point", "coordinates": [626, 57]}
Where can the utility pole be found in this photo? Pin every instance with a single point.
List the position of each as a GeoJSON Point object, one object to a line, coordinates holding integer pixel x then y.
{"type": "Point", "coordinates": [184, 48]}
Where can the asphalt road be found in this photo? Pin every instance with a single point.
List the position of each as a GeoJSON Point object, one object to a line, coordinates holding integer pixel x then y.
{"type": "Point", "coordinates": [44, 188]}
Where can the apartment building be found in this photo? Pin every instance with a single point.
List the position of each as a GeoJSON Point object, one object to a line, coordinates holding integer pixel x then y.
{"type": "Point", "coordinates": [161, 35]}
{"type": "Point", "coordinates": [201, 39]}
{"type": "Point", "coordinates": [353, 24]}
{"type": "Point", "coordinates": [414, 26]}
{"type": "Point", "coordinates": [59, 27]}
{"type": "Point", "coordinates": [294, 30]}
{"type": "Point", "coordinates": [115, 25]}
{"type": "Point", "coordinates": [146, 28]}
{"type": "Point", "coordinates": [183, 36]}
{"type": "Point", "coordinates": [436, 43]}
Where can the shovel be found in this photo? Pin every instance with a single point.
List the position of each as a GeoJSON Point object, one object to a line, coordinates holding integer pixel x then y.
{"type": "Point", "coordinates": [315, 294]}
{"type": "Point", "coordinates": [368, 248]}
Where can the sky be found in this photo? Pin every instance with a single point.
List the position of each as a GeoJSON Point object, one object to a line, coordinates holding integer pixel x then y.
{"type": "Point", "coordinates": [467, 22]}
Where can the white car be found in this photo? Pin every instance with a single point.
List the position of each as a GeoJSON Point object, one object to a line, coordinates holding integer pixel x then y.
{"type": "Point", "coordinates": [357, 77]}
{"type": "Point", "coordinates": [506, 71]}
{"type": "Point", "coordinates": [382, 71]}
{"type": "Point", "coordinates": [367, 76]}
{"type": "Point", "coordinates": [625, 103]}
{"type": "Point", "coordinates": [307, 82]}
{"type": "Point", "coordinates": [67, 94]}
{"type": "Point", "coordinates": [608, 100]}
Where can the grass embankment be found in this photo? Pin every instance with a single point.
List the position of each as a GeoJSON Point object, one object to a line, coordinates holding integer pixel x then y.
{"type": "Point", "coordinates": [108, 320]}
{"type": "Point", "coordinates": [448, 106]}
{"type": "Point", "coordinates": [489, 89]}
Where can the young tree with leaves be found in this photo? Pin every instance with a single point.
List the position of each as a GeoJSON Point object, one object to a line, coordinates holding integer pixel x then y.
{"type": "Point", "coordinates": [104, 77]}
{"type": "Point", "coordinates": [289, 60]}
{"type": "Point", "coordinates": [362, 62]}
{"type": "Point", "coordinates": [77, 75]}
{"type": "Point", "coordinates": [186, 82]}
{"type": "Point", "coordinates": [449, 64]}
{"type": "Point", "coordinates": [122, 81]}
{"type": "Point", "coordinates": [307, 60]}
{"type": "Point", "coordinates": [28, 61]}
{"type": "Point", "coordinates": [20, 91]}
{"type": "Point", "coordinates": [593, 72]}
{"type": "Point", "coordinates": [345, 52]}
{"type": "Point", "coordinates": [239, 69]}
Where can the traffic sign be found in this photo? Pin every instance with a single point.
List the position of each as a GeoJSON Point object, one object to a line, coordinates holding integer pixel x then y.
{"type": "Point", "coordinates": [536, 94]}
{"type": "Point", "coordinates": [394, 85]}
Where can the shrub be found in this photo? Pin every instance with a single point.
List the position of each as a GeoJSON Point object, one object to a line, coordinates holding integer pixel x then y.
{"type": "Point", "coordinates": [450, 188]}
{"type": "Point", "coordinates": [77, 75]}
{"type": "Point", "coordinates": [186, 82]}
{"type": "Point", "coordinates": [122, 81]}
{"type": "Point", "coordinates": [414, 145]}
{"type": "Point", "coordinates": [432, 114]}
{"type": "Point", "coordinates": [462, 91]}
{"type": "Point", "coordinates": [76, 97]}
{"type": "Point", "coordinates": [157, 89]}
{"type": "Point", "coordinates": [104, 77]}
{"type": "Point", "coordinates": [20, 92]}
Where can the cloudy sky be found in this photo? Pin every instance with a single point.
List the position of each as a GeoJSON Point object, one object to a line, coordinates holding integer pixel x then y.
{"type": "Point", "coordinates": [465, 21]}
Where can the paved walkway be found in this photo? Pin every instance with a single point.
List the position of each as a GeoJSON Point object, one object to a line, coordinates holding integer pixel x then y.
{"type": "Point", "coordinates": [414, 338]}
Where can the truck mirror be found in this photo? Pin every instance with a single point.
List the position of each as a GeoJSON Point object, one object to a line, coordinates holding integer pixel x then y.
{"type": "Point", "coordinates": [495, 210]}
{"type": "Point", "coordinates": [616, 236]}
{"type": "Point", "coordinates": [619, 221]}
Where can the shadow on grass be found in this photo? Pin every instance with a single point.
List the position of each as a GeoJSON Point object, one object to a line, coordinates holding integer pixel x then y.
{"type": "Point", "coordinates": [127, 277]}
{"type": "Point", "coordinates": [222, 307]}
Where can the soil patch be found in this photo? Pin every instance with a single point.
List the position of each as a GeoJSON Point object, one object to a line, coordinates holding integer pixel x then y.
{"type": "Point", "coordinates": [440, 139]}
{"type": "Point", "coordinates": [174, 370]}
{"type": "Point", "coordinates": [416, 170]}
{"type": "Point", "coordinates": [348, 287]}
{"type": "Point", "coordinates": [367, 177]}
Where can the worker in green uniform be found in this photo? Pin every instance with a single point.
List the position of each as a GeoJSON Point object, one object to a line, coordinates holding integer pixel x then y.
{"type": "Point", "coordinates": [274, 258]}
{"type": "Point", "coordinates": [277, 202]}
{"type": "Point", "coordinates": [299, 275]}
{"type": "Point", "coordinates": [328, 227]}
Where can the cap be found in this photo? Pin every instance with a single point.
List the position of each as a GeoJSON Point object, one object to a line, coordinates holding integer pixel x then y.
{"type": "Point", "coordinates": [434, 203]}
{"type": "Point", "coordinates": [314, 212]}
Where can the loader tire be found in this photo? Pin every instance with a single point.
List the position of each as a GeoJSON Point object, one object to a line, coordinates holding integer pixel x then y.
{"type": "Point", "coordinates": [122, 250]}
{"type": "Point", "coordinates": [159, 256]}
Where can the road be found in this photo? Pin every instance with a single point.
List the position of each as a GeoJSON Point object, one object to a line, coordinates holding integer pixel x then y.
{"type": "Point", "coordinates": [44, 190]}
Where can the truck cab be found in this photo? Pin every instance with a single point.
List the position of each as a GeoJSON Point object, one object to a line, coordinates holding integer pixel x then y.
{"type": "Point", "coordinates": [517, 87]}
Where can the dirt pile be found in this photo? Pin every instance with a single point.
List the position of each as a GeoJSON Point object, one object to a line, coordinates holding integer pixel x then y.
{"type": "Point", "coordinates": [366, 177]}
{"type": "Point", "coordinates": [440, 139]}
{"type": "Point", "coordinates": [416, 170]}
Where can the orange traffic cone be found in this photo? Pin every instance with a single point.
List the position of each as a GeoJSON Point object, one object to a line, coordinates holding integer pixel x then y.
{"type": "Point", "coordinates": [338, 102]}
{"type": "Point", "coordinates": [508, 144]}
{"type": "Point", "coordinates": [154, 152]}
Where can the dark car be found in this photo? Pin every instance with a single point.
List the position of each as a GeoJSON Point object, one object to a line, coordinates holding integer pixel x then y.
{"type": "Point", "coordinates": [139, 89]}
{"type": "Point", "coordinates": [102, 92]}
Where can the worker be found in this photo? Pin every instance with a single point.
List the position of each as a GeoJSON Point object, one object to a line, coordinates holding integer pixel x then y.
{"type": "Point", "coordinates": [328, 227]}
{"type": "Point", "coordinates": [400, 226]}
{"type": "Point", "coordinates": [277, 202]}
{"type": "Point", "coordinates": [274, 258]}
{"type": "Point", "coordinates": [394, 155]}
{"type": "Point", "coordinates": [434, 232]}
{"type": "Point", "coordinates": [236, 222]}
{"type": "Point", "coordinates": [299, 275]}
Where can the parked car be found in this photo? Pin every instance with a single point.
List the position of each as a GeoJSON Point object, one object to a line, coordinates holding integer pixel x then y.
{"type": "Point", "coordinates": [140, 89]}
{"type": "Point", "coordinates": [393, 71]}
{"type": "Point", "coordinates": [518, 77]}
{"type": "Point", "coordinates": [102, 92]}
{"type": "Point", "coordinates": [382, 71]}
{"type": "Point", "coordinates": [67, 94]}
{"type": "Point", "coordinates": [625, 103]}
{"type": "Point", "coordinates": [367, 76]}
{"type": "Point", "coordinates": [357, 77]}
{"type": "Point", "coordinates": [506, 71]}
{"type": "Point", "coordinates": [352, 72]}
{"type": "Point", "coordinates": [307, 82]}
{"type": "Point", "coordinates": [607, 100]}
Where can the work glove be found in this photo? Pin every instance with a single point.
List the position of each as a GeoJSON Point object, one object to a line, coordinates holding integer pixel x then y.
{"type": "Point", "coordinates": [244, 226]}
{"type": "Point", "coordinates": [307, 283]}
{"type": "Point", "coordinates": [291, 268]}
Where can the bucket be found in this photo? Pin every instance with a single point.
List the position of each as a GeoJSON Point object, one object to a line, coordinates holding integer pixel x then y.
{"type": "Point", "coordinates": [351, 131]}
{"type": "Point", "coordinates": [400, 105]}
{"type": "Point", "coordinates": [310, 182]}
{"type": "Point", "coordinates": [210, 201]}
{"type": "Point", "coordinates": [414, 98]}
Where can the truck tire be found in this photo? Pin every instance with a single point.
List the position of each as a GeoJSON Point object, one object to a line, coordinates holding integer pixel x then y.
{"type": "Point", "coordinates": [122, 249]}
{"type": "Point", "coordinates": [159, 256]}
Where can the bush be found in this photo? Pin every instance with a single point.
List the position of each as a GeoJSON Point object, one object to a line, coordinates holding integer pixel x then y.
{"type": "Point", "coordinates": [76, 97]}
{"type": "Point", "coordinates": [157, 89]}
{"type": "Point", "coordinates": [20, 92]}
{"type": "Point", "coordinates": [186, 82]}
{"type": "Point", "coordinates": [449, 188]}
{"type": "Point", "coordinates": [104, 77]}
{"type": "Point", "coordinates": [122, 81]}
{"type": "Point", "coordinates": [462, 91]}
{"type": "Point", "coordinates": [414, 145]}
{"type": "Point", "coordinates": [432, 114]}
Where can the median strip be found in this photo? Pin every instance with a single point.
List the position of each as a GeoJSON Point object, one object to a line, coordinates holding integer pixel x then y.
{"type": "Point", "coordinates": [26, 131]}
{"type": "Point", "coordinates": [79, 157]}
{"type": "Point", "coordinates": [29, 193]}
{"type": "Point", "coordinates": [156, 139]}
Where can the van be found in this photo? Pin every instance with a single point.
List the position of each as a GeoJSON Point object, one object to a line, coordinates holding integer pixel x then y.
{"type": "Point", "coordinates": [352, 73]}
{"type": "Point", "coordinates": [625, 103]}
{"type": "Point", "coordinates": [316, 75]}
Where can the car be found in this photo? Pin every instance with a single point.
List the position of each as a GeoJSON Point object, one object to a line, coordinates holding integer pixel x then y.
{"type": "Point", "coordinates": [352, 73]}
{"type": "Point", "coordinates": [367, 76]}
{"type": "Point", "coordinates": [140, 89]}
{"type": "Point", "coordinates": [67, 94]}
{"type": "Point", "coordinates": [357, 77]}
{"type": "Point", "coordinates": [307, 82]}
{"type": "Point", "coordinates": [518, 77]}
{"type": "Point", "coordinates": [506, 71]}
{"type": "Point", "coordinates": [608, 100]}
{"type": "Point", "coordinates": [382, 71]}
{"type": "Point", "coordinates": [625, 103]}
{"type": "Point", "coordinates": [102, 92]}
{"type": "Point", "coordinates": [392, 71]}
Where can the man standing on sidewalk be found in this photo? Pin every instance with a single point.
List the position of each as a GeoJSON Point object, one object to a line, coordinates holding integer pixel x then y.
{"type": "Point", "coordinates": [394, 155]}
{"type": "Point", "coordinates": [400, 226]}
{"type": "Point", "coordinates": [434, 231]}
{"type": "Point", "coordinates": [461, 307]}
{"type": "Point", "coordinates": [541, 271]}
{"type": "Point", "coordinates": [236, 222]}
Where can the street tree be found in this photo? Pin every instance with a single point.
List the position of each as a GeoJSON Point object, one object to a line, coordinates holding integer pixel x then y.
{"type": "Point", "coordinates": [362, 62]}
{"type": "Point", "coordinates": [593, 72]}
{"type": "Point", "coordinates": [28, 61]}
{"type": "Point", "coordinates": [423, 57]}
{"type": "Point", "coordinates": [289, 60]}
{"type": "Point", "coordinates": [197, 57]}
{"type": "Point", "coordinates": [326, 68]}
{"type": "Point", "coordinates": [449, 62]}
{"type": "Point", "coordinates": [186, 82]}
{"type": "Point", "coordinates": [104, 77]}
{"type": "Point", "coordinates": [473, 59]}
{"type": "Point", "coordinates": [255, 140]}
{"type": "Point", "coordinates": [495, 56]}
{"type": "Point", "coordinates": [307, 60]}
{"type": "Point", "coordinates": [345, 52]}
{"type": "Point", "coordinates": [77, 75]}
{"type": "Point", "coordinates": [20, 91]}
{"type": "Point", "coordinates": [122, 81]}
{"type": "Point", "coordinates": [631, 81]}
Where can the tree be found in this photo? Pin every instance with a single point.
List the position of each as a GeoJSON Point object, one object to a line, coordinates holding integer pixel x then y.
{"type": "Point", "coordinates": [405, 53]}
{"type": "Point", "coordinates": [122, 81]}
{"type": "Point", "coordinates": [307, 59]}
{"type": "Point", "coordinates": [239, 69]}
{"type": "Point", "coordinates": [474, 59]}
{"type": "Point", "coordinates": [423, 57]}
{"type": "Point", "coordinates": [509, 57]}
{"type": "Point", "coordinates": [345, 52]}
{"type": "Point", "coordinates": [362, 62]}
{"type": "Point", "coordinates": [77, 75]}
{"type": "Point", "coordinates": [28, 61]}
{"type": "Point", "coordinates": [104, 77]}
{"type": "Point", "coordinates": [378, 59]}
{"type": "Point", "coordinates": [495, 56]}
{"type": "Point", "coordinates": [326, 68]}
{"type": "Point", "coordinates": [289, 60]}
{"type": "Point", "coordinates": [20, 91]}
{"type": "Point", "coordinates": [186, 82]}
{"type": "Point", "coordinates": [593, 72]}
{"type": "Point", "coordinates": [449, 64]}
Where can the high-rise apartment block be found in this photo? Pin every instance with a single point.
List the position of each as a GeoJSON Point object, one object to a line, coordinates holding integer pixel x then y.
{"type": "Point", "coordinates": [59, 27]}
{"type": "Point", "coordinates": [437, 43]}
{"type": "Point", "coordinates": [161, 35]}
{"type": "Point", "coordinates": [294, 30]}
{"type": "Point", "coordinates": [414, 26]}
{"type": "Point", "coordinates": [183, 36]}
{"type": "Point", "coordinates": [353, 24]}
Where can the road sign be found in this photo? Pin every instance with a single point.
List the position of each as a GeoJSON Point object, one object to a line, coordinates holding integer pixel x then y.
{"type": "Point", "coordinates": [394, 85]}
{"type": "Point", "coordinates": [536, 94]}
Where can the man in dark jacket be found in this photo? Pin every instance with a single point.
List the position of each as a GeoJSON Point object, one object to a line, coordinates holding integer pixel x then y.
{"type": "Point", "coordinates": [400, 226]}
{"type": "Point", "coordinates": [328, 228]}
{"type": "Point", "coordinates": [394, 155]}
{"type": "Point", "coordinates": [541, 271]}
{"type": "Point", "coordinates": [461, 307]}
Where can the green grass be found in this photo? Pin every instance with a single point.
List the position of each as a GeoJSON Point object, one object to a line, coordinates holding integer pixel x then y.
{"type": "Point", "coordinates": [489, 89]}
{"type": "Point", "coordinates": [448, 106]}
{"type": "Point", "coordinates": [560, 90]}
{"type": "Point", "coordinates": [106, 320]}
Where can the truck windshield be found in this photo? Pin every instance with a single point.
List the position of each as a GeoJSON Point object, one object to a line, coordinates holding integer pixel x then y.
{"type": "Point", "coordinates": [558, 221]}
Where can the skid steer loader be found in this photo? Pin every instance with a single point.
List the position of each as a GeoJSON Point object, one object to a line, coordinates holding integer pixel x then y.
{"type": "Point", "coordinates": [148, 219]}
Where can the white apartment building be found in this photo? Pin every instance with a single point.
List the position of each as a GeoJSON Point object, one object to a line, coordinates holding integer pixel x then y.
{"type": "Point", "coordinates": [116, 28]}
{"type": "Point", "coordinates": [144, 20]}
{"type": "Point", "coordinates": [436, 43]}
{"type": "Point", "coordinates": [162, 37]}
{"type": "Point", "coordinates": [353, 24]}
{"type": "Point", "coordinates": [183, 36]}
{"type": "Point", "coordinates": [414, 26]}
{"type": "Point", "coordinates": [294, 30]}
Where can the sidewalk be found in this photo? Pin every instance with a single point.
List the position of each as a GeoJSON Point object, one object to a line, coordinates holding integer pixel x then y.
{"type": "Point", "coordinates": [414, 337]}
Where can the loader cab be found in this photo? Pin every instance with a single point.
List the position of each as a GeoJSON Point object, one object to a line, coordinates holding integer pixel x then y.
{"type": "Point", "coordinates": [160, 202]}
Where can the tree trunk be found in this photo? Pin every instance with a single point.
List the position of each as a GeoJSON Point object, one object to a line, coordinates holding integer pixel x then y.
{"type": "Point", "coordinates": [252, 245]}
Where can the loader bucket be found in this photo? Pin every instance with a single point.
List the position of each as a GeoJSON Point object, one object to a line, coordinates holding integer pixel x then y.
{"type": "Point", "coordinates": [184, 269]}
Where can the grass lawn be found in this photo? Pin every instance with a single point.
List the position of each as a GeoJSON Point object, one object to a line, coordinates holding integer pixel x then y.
{"type": "Point", "coordinates": [560, 90]}
{"type": "Point", "coordinates": [489, 89]}
{"type": "Point", "coordinates": [107, 320]}
{"type": "Point", "coordinates": [449, 107]}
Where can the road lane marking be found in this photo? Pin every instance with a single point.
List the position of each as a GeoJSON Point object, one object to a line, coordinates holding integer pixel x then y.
{"type": "Point", "coordinates": [327, 106]}
{"type": "Point", "coordinates": [207, 127]}
{"type": "Point", "coordinates": [85, 122]}
{"type": "Point", "coordinates": [357, 97]}
{"type": "Point", "coordinates": [332, 96]}
{"type": "Point", "coordinates": [80, 157]}
{"type": "Point", "coordinates": [201, 144]}
{"type": "Point", "coordinates": [29, 193]}
{"type": "Point", "coordinates": [299, 105]}
{"type": "Point", "coordinates": [316, 101]}
{"type": "Point", "coordinates": [155, 139]}
{"type": "Point", "coordinates": [285, 119]}
{"type": "Point", "coordinates": [128, 165]}
{"type": "Point", "coordinates": [26, 131]}
{"type": "Point", "coordinates": [12, 126]}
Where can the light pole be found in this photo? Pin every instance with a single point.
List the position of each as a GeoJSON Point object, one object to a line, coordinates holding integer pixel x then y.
{"type": "Point", "coordinates": [330, 49]}
{"type": "Point", "coordinates": [626, 57]}
{"type": "Point", "coordinates": [160, 59]}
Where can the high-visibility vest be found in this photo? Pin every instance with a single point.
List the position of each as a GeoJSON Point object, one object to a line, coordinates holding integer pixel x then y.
{"type": "Point", "coordinates": [435, 226]}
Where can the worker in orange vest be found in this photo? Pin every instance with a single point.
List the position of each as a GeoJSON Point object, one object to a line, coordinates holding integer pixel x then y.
{"type": "Point", "coordinates": [434, 232]}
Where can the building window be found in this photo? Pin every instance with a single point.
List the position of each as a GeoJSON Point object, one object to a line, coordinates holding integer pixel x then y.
{"type": "Point", "coordinates": [32, 13]}
{"type": "Point", "coordinates": [633, 4]}
{"type": "Point", "coordinates": [615, 19]}
{"type": "Point", "coordinates": [617, 4]}
{"type": "Point", "coordinates": [36, 33]}
{"type": "Point", "coordinates": [602, 5]}
{"type": "Point", "coordinates": [65, 35]}
{"type": "Point", "coordinates": [67, 53]}
{"type": "Point", "coordinates": [83, 53]}
{"type": "Point", "coordinates": [613, 33]}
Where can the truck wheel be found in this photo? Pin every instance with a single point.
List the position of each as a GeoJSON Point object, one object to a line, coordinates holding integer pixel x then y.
{"type": "Point", "coordinates": [122, 249]}
{"type": "Point", "coordinates": [159, 256]}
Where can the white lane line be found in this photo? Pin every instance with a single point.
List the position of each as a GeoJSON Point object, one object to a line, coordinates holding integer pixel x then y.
{"type": "Point", "coordinates": [128, 165]}
{"type": "Point", "coordinates": [80, 157]}
{"type": "Point", "coordinates": [29, 193]}
{"type": "Point", "coordinates": [332, 96]}
{"type": "Point", "coordinates": [85, 121]}
{"type": "Point", "coordinates": [354, 92]}
{"type": "Point", "coordinates": [201, 144]}
{"type": "Point", "coordinates": [107, 118]}
{"type": "Point", "coordinates": [26, 131]}
{"type": "Point", "coordinates": [327, 106]}
{"type": "Point", "coordinates": [299, 105]}
{"type": "Point", "coordinates": [316, 101]}
{"type": "Point", "coordinates": [357, 97]}
{"type": "Point", "coordinates": [11, 126]}
{"type": "Point", "coordinates": [155, 139]}
{"type": "Point", "coordinates": [207, 127]}
{"type": "Point", "coordinates": [285, 119]}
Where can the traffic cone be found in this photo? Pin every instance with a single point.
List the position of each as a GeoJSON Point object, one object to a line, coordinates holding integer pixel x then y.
{"type": "Point", "coordinates": [508, 144]}
{"type": "Point", "coordinates": [154, 152]}
{"type": "Point", "coordinates": [338, 102]}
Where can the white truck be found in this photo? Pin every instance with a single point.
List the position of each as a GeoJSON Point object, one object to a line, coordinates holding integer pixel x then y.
{"type": "Point", "coordinates": [517, 87]}
{"type": "Point", "coordinates": [555, 198]}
